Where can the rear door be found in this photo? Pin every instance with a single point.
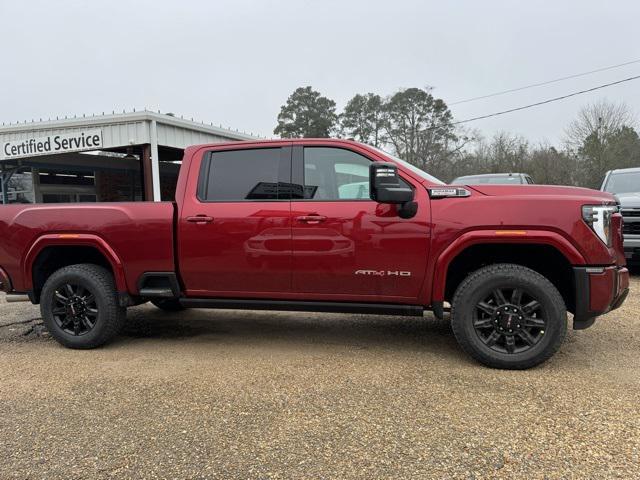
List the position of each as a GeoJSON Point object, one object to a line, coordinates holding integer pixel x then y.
{"type": "Point", "coordinates": [235, 230]}
{"type": "Point", "coordinates": [347, 246]}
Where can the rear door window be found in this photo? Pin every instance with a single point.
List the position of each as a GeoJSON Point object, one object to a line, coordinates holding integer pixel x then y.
{"type": "Point", "coordinates": [244, 175]}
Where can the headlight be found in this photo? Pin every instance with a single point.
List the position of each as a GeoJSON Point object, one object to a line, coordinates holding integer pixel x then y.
{"type": "Point", "coordinates": [598, 217]}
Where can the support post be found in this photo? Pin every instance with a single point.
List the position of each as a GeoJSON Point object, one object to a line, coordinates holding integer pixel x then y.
{"type": "Point", "coordinates": [5, 198]}
{"type": "Point", "coordinates": [155, 162]}
{"type": "Point", "coordinates": [5, 176]}
{"type": "Point", "coordinates": [147, 172]}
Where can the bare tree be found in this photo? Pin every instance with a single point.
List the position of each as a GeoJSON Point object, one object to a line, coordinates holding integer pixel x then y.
{"type": "Point", "coordinates": [601, 118]}
{"type": "Point", "coordinates": [602, 138]}
{"type": "Point", "coordinates": [550, 166]}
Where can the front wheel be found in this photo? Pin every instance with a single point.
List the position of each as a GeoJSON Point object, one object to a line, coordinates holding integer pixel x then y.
{"type": "Point", "coordinates": [79, 306]}
{"type": "Point", "coordinates": [508, 316]}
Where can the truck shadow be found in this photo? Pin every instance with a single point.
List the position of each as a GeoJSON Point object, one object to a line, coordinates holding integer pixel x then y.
{"type": "Point", "coordinates": [292, 328]}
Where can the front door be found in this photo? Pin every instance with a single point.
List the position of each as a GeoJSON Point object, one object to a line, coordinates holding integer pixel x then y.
{"type": "Point", "coordinates": [235, 234]}
{"type": "Point", "coordinates": [346, 246]}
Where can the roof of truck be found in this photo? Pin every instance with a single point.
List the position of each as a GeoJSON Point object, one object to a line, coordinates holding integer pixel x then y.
{"type": "Point", "coordinates": [281, 141]}
{"type": "Point", "coordinates": [291, 140]}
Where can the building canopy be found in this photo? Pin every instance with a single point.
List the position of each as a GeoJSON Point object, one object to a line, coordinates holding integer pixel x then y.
{"type": "Point", "coordinates": [118, 157]}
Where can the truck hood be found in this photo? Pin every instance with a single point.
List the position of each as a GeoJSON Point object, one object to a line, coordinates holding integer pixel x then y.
{"type": "Point", "coordinates": [629, 200]}
{"type": "Point", "coordinates": [544, 190]}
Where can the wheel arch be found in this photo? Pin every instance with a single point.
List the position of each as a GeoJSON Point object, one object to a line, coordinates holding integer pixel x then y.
{"type": "Point", "coordinates": [546, 252]}
{"type": "Point", "coordinates": [52, 252]}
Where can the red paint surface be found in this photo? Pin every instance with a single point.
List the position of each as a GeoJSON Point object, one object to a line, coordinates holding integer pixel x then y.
{"type": "Point", "coordinates": [135, 237]}
{"type": "Point", "coordinates": [606, 286]}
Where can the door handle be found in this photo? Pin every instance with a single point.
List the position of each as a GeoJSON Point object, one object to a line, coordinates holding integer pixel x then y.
{"type": "Point", "coordinates": [311, 219]}
{"type": "Point", "coordinates": [200, 219]}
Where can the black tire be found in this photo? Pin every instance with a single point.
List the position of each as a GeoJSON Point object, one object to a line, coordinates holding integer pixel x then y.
{"type": "Point", "coordinates": [516, 333]}
{"type": "Point", "coordinates": [168, 304]}
{"type": "Point", "coordinates": [91, 316]}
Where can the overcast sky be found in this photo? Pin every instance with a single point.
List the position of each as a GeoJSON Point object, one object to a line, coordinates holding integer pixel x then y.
{"type": "Point", "coordinates": [235, 62]}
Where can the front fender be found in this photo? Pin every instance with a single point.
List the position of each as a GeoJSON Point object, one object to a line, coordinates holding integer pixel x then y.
{"type": "Point", "coordinates": [476, 237]}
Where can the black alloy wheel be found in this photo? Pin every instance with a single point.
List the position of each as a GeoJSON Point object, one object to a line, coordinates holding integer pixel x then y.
{"type": "Point", "coordinates": [509, 320]}
{"type": "Point", "coordinates": [508, 316]}
{"type": "Point", "coordinates": [80, 306]}
{"type": "Point", "coordinates": [74, 309]}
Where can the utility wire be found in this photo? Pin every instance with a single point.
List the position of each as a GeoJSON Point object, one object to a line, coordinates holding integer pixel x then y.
{"type": "Point", "coordinates": [550, 100]}
{"type": "Point", "coordinates": [545, 83]}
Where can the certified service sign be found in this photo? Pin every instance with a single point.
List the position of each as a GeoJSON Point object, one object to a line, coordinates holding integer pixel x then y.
{"type": "Point", "coordinates": [67, 142]}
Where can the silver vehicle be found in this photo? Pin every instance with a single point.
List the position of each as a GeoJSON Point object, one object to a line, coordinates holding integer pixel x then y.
{"type": "Point", "coordinates": [625, 185]}
{"type": "Point", "coordinates": [494, 179]}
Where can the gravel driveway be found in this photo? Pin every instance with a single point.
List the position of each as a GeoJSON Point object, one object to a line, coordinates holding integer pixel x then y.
{"type": "Point", "coordinates": [237, 394]}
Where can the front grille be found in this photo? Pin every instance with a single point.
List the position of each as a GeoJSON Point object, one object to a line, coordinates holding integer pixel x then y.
{"type": "Point", "coordinates": [631, 228]}
{"type": "Point", "coordinates": [631, 213]}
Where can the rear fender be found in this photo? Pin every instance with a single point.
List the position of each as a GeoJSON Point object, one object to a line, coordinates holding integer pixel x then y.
{"type": "Point", "coordinates": [477, 237]}
{"type": "Point", "coordinates": [72, 239]}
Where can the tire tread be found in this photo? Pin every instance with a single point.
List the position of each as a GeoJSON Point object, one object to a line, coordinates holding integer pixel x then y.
{"type": "Point", "coordinates": [114, 315]}
{"type": "Point", "coordinates": [520, 272]}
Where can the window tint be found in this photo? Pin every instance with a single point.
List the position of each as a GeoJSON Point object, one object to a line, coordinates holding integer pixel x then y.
{"type": "Point", "coordinates": [239, 175]}
{"type": "Point", "coordinates": [335, 174]}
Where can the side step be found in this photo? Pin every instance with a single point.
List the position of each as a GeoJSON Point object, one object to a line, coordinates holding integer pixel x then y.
{"type": "Point", "coordinates": [157, 292]}
{"type": "Point", "coordinates": [158, 285]}
{"type": "Point", "coordinates": [304, 306]}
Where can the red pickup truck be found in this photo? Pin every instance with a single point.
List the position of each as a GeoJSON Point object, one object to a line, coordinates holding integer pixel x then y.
{"type": "Point", "coordinates": [326, 225]}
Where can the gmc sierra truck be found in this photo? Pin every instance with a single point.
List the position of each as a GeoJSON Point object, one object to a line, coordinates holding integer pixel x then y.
{"type": "Point", "coordinates": [332, 226]}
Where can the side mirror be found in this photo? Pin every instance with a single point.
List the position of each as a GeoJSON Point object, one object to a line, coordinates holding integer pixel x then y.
{"type": "Point", "coordinates": [385, 185]}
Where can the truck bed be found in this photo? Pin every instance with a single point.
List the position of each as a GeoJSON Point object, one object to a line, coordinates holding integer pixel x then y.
{"type": "Point", "coordinates": [139, 235]}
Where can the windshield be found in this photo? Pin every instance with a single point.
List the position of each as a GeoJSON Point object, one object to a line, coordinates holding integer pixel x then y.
{"type": "Point", "coordinates": [623, 183]}
{"type": "Point", "coordinates": [483, 180]}
{"type": "Point", "coordinates": [413, 168]}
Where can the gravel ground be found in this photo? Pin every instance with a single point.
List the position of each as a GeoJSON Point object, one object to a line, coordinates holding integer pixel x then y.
{"type": "Point", "coordinates": [252, 395]}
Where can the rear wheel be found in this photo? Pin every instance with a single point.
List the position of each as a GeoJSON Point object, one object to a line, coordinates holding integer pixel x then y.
{"type": "Point", "coordinates": [168, 304]}
{"type": "Point", "coordinates": [80, 308]}
{"type": "Point", "coordinates": [508, 316]}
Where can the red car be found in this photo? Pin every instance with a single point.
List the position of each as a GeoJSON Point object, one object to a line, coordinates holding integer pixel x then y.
{"type": "Point", "coordinates": [335, 226]}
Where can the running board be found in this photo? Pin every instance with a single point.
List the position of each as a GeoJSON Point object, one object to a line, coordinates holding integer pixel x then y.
{"type": "Point", "coordinates": [303, 306]}
{"type": "Point", "coordinates": [156, 293]}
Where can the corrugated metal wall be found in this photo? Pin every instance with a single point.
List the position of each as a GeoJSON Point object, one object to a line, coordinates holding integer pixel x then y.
{"type": "Point", "coordinates": [173, 136]}
{"type": "Point", "coordinates": [126, 129]}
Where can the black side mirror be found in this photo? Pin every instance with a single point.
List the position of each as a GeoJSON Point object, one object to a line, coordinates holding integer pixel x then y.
{"type": "Point", "coordinates": [385, 185]}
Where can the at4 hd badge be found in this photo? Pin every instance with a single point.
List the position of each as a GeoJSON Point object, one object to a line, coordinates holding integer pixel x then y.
{"type": "Point", "coordinates": [383, 273]}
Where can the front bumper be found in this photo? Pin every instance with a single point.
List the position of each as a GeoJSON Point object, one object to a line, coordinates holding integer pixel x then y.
{"type": "Point", "coordinates": [598, 290]}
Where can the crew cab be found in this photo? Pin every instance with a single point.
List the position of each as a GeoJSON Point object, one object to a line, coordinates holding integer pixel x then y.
{"type": "Point", "coordinates": [326, 225]}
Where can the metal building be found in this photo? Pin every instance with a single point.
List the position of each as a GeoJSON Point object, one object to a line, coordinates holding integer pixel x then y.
{"type": "Point", "coordinates": [118, 157]}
